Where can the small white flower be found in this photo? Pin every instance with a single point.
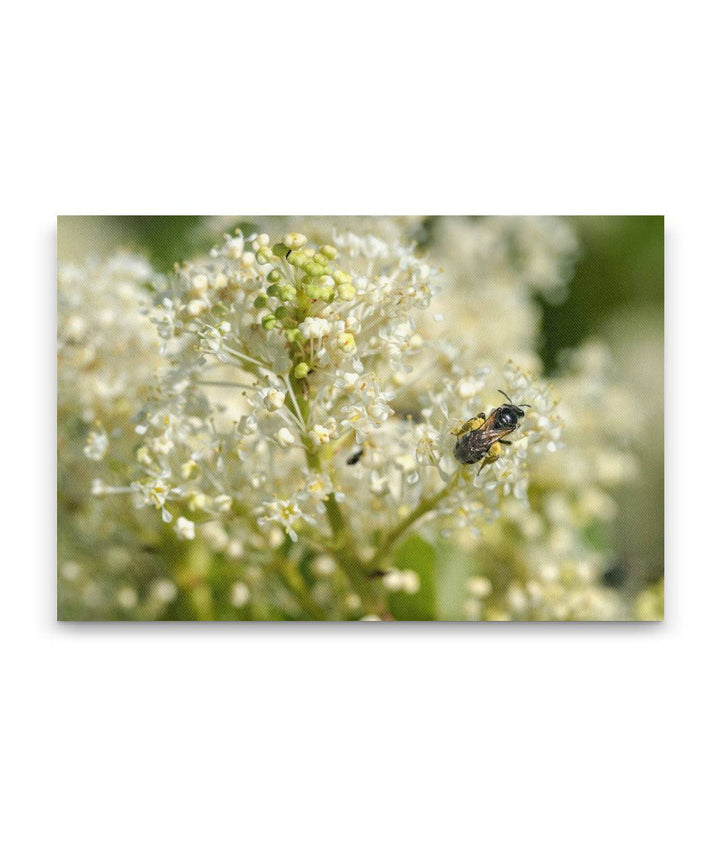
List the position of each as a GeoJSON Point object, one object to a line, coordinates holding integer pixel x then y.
{"type": "Point", "coordinates": [96, 445]}
{"type": "Point", "coordinates": [324, 566]}
{"type": "Point", "coordinates": [162, 445]}
{"type": "Point", "coordinates": [406, 581]}
{"type": "Point", "coordinates": [198, 501]}
{"type": "Point", "coordinates": [411, 582]}
{"type": "Point", "coordinates": [223, 502]}
{"type": "Point", "coordinates": [479, 586]}
{"type": "Point", "coordinates": [165, 591]}
{"type": "Point", "coordinates": [196, 307]}
{"type": "Point", "coordinates": [347, 380]}
{"type": "Point", "coordinates": [184, 529]}
{"type": "Point", "coordinates": [314, 328]}
{"type": "Point", "coordinates": [273, 399]}
{"type": "Point", "coordinates": [346, 343]}
{"type": "Point", "coordinates": [294, 240]}
{"type": "Point", "coordinates": [127, 597]}
{"type": "Point", "coordinates": [285, 437]}
{"type": "Point", "coordinates": [235, 549]}
{"type": "Point", "coordinates": [320, 434]}
{"type": "Point", "coordinates": [239, 595]}
{"type": "Point", "coordinates": [199, 284]}
{"type": "Point", "coordinates": [98, 488]}
{"type": "Point", "coordinates": [188, 469]}
{"type": "Point", "coordinates": [213, 532]}
{"type": "Point", "coordinates": [467, 388]}
{"type": "Point", "coordinates": [70, 570]}
{"type": "Point", "coordinates": [394, 580]}
{"type": "Point", "coordinates": [285, 512]}
{"type": "Point", "coordinates": [234, 248]}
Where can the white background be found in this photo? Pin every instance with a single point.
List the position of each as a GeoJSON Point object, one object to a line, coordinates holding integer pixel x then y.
{"type": "Point", "coordinates": [505, 739]}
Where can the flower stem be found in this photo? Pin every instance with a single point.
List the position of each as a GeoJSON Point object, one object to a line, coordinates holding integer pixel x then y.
{"type": "Point", "coordinates": [343, 551]}
{"type": "Point", "coordinates": [356, 571]}
{"type": "Point", "coordinates": [424, 507]}
{"type": "Point", "coordinates": [293, 580]}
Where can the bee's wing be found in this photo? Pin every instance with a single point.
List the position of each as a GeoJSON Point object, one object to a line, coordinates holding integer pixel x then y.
{"type": "Point", "coordinates": [492, 435]}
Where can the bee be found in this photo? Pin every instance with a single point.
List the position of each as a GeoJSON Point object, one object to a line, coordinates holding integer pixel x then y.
{"type": "Point", "coordinates": [478, 435]}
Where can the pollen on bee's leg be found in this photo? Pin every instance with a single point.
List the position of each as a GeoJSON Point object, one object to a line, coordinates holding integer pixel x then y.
{"type": "Point", "coordinates": [493, 453]}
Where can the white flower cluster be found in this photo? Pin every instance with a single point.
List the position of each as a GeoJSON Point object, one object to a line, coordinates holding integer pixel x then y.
{"type": "Point", "coordinates": [309, 357]}
{"type": "Point", "coordinates": [293, 408]}
{"type": "Point", "coordinates": [493, 268]}
{"type": "Point", "coordinates": [107, 350]}
{"type": "Point", "coordinates": [542, 558]}
{"type": "Point", "coordinates": [107, 358]}
{"type": "Point", "coordinates": [301, 351]}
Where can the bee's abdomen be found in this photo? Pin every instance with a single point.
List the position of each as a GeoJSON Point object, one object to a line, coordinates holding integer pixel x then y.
{"type": "Point", "coordinates": [471, 447]}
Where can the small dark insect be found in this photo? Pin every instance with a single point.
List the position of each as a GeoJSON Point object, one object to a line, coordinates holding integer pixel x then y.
{"type": "Point", "coordinates": [477, 436]}
{"type": "Point", "coordinates": [355, 457]}
{"type": "Point", "coordinates": [376, 574]}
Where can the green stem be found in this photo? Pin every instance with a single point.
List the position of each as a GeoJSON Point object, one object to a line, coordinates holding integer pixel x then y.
{"type": "Point", "coordinates": [343, 550]}
{"type": "Point", "coordinates": [347, 558]}
{"type": "Point", "coordinates": [293, 580]}
{"type": "Point", "coordinates": [191, 576]}
{"type": "Point", "coordinates": [423, 508]}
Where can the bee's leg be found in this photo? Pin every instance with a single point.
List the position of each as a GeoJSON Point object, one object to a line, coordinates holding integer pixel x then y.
{"type": "Point", "coordinates": [493, 453]}
{"type": "Point", "coordinates": [505, 442]}
{"type": "Point", "coordinates": [471, 425]}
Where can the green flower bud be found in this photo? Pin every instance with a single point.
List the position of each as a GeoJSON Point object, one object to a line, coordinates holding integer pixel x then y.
{"type": "Point", "coordinates": [346, 342]}
{"type": "Point", "coordinates": [301, 370]}
{"type": "Point", "coordinates": [328, 251]}
{"type": "Point", "coordinates": [346, 291]}
{"type": "Point", "coordinates": [313, 268]}
{"type": "Point", "coordinates": [269, 321]}
{"type": "Point", "coordinates": [274, 276]}
{"type": "Point", "coordinates": [313, 290]}
{"type": "Point", "coordinates": [297, 258]}
{"type": "Point", "coordinates": [293, 335]}
{"type": "Point", "coordinates": [260, 301]}
{"type": "Point", "coordinates": [264, 255]}
{"type": "Point", "coordinates": [287, 291]}
{"type": "Point", "coordinates": [340, 276]}
{"type": "Point", "coordinates": [280, 250]}
{"type": "Point", "coordinates": [294, 240]}
{"type": "Point", "coordinates": [273, 291]}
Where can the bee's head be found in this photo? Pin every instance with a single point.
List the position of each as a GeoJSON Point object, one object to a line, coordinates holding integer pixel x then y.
{"type": "Point", "coordinates": [508, 414]}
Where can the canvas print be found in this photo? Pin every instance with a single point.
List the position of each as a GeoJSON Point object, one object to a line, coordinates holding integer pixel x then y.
{"type": "Point", "coordinates": [412, 418]}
